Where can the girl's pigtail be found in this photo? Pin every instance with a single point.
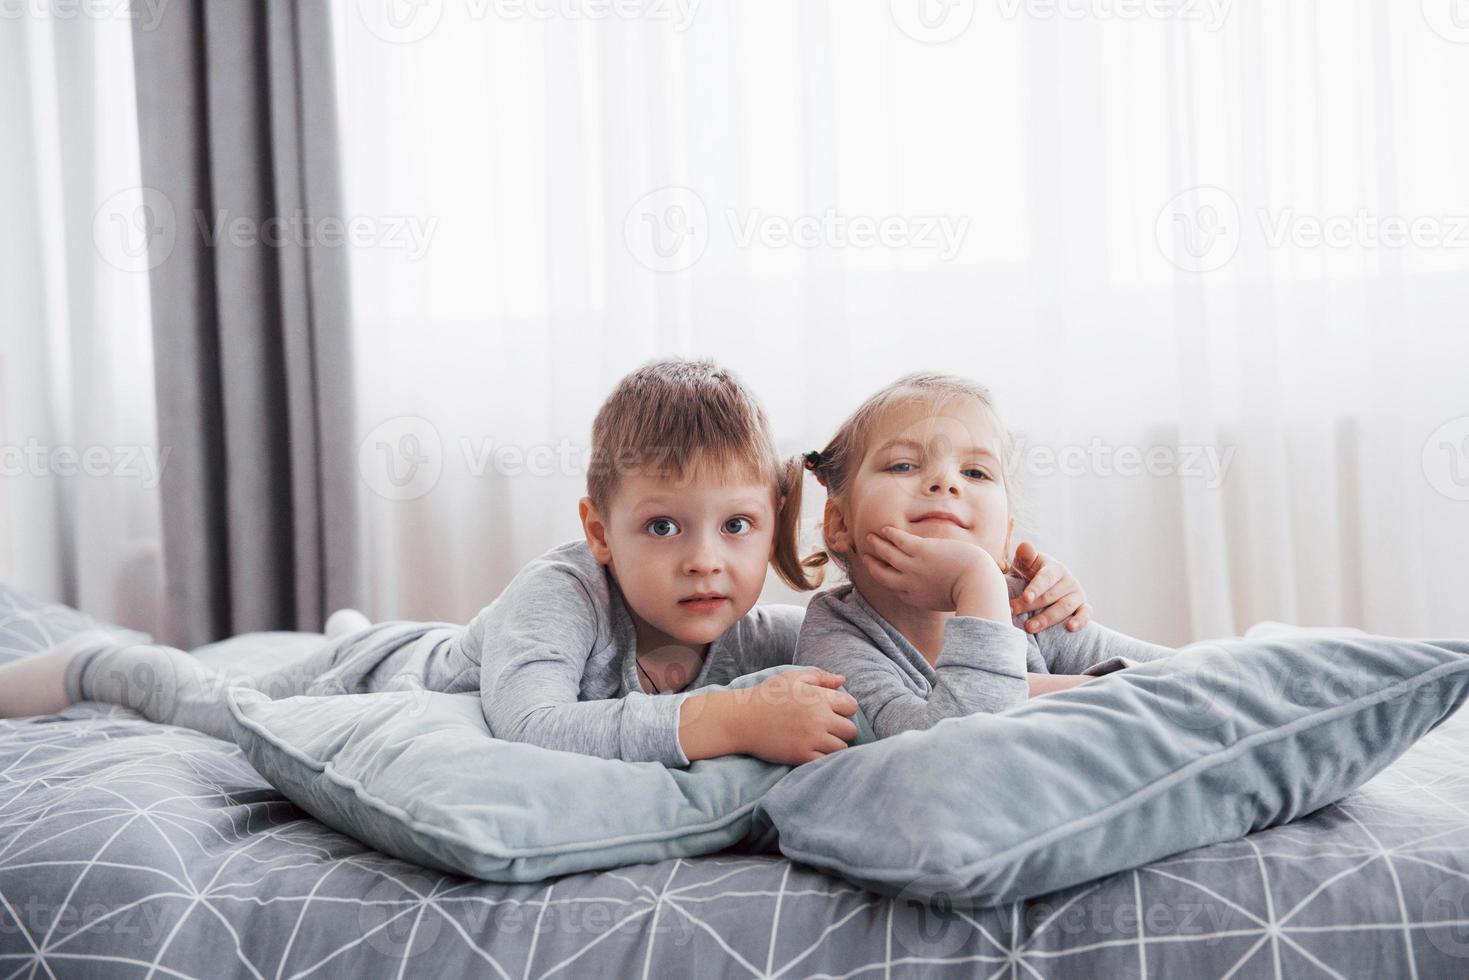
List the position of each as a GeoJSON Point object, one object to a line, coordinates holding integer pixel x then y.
{"type": "Point", "coordinates": [787, 560]}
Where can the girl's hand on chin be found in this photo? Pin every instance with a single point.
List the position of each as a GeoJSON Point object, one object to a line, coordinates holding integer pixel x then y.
{"type": "Point", "coordinates": [930, 573]}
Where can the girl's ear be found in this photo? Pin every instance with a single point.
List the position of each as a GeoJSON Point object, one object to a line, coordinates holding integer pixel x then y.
{"type": "Point", "coordinates": [834, 527]}
{"type": "Point", "coordinates": [595, 529]}
{"type": "Point", "coordinates": [1009, 533]}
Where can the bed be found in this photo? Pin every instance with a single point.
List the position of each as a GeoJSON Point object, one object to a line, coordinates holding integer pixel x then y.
{"type": "Point", "coordinates": [129, 848]}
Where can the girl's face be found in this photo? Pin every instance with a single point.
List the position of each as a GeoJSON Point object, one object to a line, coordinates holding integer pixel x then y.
{"type": "Point", "coordinates": [932, 471]}
{"type": "Point", "coordinates": [689, 555]}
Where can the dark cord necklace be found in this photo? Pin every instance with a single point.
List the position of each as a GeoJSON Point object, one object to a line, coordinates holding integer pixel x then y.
{"type": "Point", "coordinates": [649, 676]}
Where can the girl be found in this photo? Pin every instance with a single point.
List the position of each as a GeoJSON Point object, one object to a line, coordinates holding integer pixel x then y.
{"type": "Point", "coordinates": [918, 514]}
{"type": "Point", "coordinates": [613, 645]}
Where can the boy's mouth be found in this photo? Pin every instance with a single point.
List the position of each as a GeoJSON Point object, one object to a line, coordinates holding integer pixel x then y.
{"type": "Point", "coordinates": [702, 602]}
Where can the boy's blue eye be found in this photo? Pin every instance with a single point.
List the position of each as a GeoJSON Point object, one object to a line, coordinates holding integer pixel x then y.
{"type": "Point", "coordinates": [658, 525]}
{"type": "Point", "coordinates": [738, 520]}
{"type": "Point", "coordinates": [894, 467]}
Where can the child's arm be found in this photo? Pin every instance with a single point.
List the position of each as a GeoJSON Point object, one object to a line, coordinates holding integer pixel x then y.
{"type": "Point", "coordinates": [1094, 649]}
{"type": "Point", "coordinates": [535, 646]}
{"type": "Point", "coordinates": [791, 717]}
{"type": "Point", "coordinates": [981, 668]}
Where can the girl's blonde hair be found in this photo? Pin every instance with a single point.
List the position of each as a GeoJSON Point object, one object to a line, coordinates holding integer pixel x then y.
{"type": "Point", "coordinates": [836, 464]}
{"type": "Point", "coordinates": [677, 417]}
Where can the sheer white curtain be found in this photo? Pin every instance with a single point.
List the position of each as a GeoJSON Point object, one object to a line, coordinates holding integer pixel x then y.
{"type": "Point", "coordinates": [1108, 219]}
{"type": "Point", "coordinates": [79, 519]}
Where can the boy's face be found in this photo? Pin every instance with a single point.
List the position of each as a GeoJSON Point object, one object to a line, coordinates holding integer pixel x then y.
{"type": "Point", "coordinates": [931, 472]}
{"type": "Point", "coordinates": [669, 542]}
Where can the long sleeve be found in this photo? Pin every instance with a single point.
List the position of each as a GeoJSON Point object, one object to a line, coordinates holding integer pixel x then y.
{"type": "Point", "coordinates": [536, 645]}
{"type": "Point", "coordinates": [1094, 649]}
{"type": "Point", "coordinates": [982, 668]}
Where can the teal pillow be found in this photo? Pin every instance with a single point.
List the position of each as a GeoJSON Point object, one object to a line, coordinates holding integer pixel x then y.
{"type": "Point", "coordinates": [417, 775]}
{"type": "Point", "coordinates": [1207, 745]}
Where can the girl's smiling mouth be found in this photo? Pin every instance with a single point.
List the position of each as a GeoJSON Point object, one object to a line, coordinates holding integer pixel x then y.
{"type": "Point", "coordinates": [940, 515]}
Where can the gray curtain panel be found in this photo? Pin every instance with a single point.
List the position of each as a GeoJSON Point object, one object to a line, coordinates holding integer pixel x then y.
{"type": "Point", "coordinates": [236, 116]}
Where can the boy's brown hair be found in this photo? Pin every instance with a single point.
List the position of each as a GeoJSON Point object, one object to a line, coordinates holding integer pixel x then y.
{"type": "Point", "coordinates": [676, 417]}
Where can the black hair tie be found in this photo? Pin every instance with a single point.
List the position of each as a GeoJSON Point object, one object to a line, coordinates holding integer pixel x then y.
{"type": "Point", "coordinates": [813, 459]}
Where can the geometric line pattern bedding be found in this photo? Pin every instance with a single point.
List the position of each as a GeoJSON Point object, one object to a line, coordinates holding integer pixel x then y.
{"type": "Point", "coordinates": [134, 849]}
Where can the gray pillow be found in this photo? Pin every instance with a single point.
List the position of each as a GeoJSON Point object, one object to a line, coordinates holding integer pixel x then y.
{"type": "Point", "coordinates": [1208, 745]}
{"type": "Point", "coordinates": [417, 775]}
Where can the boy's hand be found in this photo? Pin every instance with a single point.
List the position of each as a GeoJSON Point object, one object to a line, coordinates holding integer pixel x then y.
{"type": "Point", "coordinates": [797, 716]}
{"type": "Point", "coordinates": [932, 573]}
{"type": "Point", "coordinates": [1050, 588]}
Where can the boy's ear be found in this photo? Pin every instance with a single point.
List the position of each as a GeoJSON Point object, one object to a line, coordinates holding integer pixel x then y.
{"type": "Point", "coordinates": [595, 529]}
{"type": "Point", "coordinates": [834, 527]}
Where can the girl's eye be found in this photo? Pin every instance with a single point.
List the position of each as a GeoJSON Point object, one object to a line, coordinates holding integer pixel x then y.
{"type": "Point", "coordinates": [662, 527]}
{"type": "Point", "coordinates": [734, 523]}
{"type": "Point", "coordinates": [977, 474]}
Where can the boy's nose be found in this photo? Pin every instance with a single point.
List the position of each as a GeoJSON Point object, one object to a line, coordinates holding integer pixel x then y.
{"type": "Point", "coordinates": [702, 560]}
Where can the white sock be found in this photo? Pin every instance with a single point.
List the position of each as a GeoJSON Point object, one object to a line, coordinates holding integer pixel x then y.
{"type": "Point", "coordinates": [345, 621]}
{"type": "Point", "coordinates": [36, 685]}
